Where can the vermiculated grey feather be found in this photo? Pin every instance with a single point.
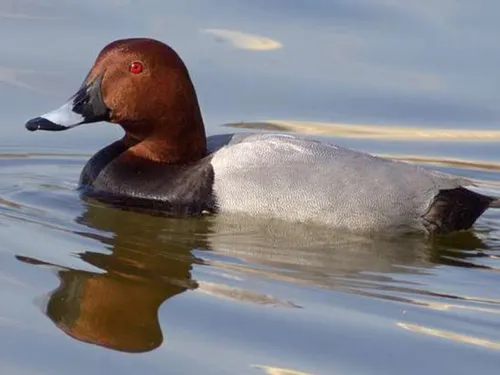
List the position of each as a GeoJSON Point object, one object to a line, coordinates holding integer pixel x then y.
{"type": "Point", "coordinates": [292, 178]}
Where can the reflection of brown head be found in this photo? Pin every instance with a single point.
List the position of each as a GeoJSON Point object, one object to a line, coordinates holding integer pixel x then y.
{"type": "Point", "coordinates": [150, 262]}
{"type": "Point", "coordinates": [112, 312]}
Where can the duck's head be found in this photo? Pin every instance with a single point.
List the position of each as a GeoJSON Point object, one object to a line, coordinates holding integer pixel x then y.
{"type": "Point", "coordinates": [143, 85]}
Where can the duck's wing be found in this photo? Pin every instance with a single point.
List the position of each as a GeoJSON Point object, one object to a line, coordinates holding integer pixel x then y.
{"type": "Point", "coordinates": [298, 179]}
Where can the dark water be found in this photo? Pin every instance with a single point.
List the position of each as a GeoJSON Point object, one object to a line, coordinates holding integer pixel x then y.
{"type": "Point", "coordinates": [87, 289]}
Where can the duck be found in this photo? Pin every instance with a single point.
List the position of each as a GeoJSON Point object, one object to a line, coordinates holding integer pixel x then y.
{"type": "Point", "coordinates": [166, 163]}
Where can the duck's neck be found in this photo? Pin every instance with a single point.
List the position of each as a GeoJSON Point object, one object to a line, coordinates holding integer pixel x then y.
{"type": "Point", "coordinates": [176, 143]}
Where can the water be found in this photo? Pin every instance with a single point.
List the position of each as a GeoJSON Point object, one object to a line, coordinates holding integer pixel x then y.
{"type": "Point", "coordinates": [89, 289]}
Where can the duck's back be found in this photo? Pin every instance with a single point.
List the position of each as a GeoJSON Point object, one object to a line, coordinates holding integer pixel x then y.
{"type": "Point", "coordinates": [303, 180]}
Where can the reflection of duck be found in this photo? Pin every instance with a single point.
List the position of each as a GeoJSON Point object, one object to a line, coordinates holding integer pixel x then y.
{"type": "Point", "coordinates": [108, 311]}
{"type": "Point", "coordinates": [118, 309]}
{"type": "Point", "coordinates": [151, 259]}
{"type": "Point", "coordinates": [334, 259]}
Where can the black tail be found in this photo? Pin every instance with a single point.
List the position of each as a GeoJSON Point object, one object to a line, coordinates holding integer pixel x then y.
{"type": "Point", "coordinates": [456, 209]}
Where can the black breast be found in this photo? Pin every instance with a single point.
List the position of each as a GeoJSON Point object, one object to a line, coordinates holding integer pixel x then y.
{"type": "Point", "coordinates": [134, 183]}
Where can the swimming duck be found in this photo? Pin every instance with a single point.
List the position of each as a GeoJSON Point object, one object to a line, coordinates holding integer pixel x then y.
{"type": "Point", "coordinates": [165, 161]}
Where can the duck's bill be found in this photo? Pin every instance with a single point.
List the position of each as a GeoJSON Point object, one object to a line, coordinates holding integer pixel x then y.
{"type": "Point", "coordinates": [85, 107]}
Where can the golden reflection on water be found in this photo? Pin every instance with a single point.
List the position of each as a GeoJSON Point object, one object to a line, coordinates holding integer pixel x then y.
{"type": "Point", "coordinates": [446, 162]}
{"type": "Point", "coordinates": [440, 306]}
{"type": "Point", "coordinates": [471, 340]}
{"type": "Point", "coordinates": [382, 132]}
{"type": "Point", "coordinates": [238, 294]}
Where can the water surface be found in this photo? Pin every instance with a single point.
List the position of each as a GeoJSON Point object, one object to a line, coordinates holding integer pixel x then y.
{"type": "Point", "coordinates": [88, 289]}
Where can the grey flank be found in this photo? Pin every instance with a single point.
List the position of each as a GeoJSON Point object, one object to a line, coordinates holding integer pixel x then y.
{"type": "Point", "coordinates": [293, 178]}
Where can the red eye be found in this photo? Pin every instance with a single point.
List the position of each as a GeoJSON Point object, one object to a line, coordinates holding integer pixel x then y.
{"type": "Point", "coordinates": [135, 67]}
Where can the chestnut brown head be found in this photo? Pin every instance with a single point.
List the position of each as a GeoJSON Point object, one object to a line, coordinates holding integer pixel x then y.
{"type": "Point", "coordinates": [141, 84]}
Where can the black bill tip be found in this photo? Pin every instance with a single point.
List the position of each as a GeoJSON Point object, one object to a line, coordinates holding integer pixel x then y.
{"type": "Point", "coordinates": [40, 123]}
